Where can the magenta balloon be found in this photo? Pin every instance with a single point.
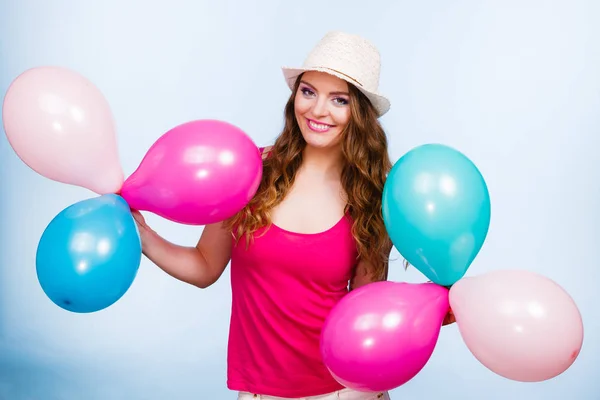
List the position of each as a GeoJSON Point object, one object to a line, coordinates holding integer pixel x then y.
{"type": "Point", "coordinates": [381, 335]}
{"type": "Point", "coordinates": [197, 173]}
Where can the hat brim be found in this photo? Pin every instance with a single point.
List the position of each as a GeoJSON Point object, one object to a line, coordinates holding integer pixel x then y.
{"type": "Point", "coordinates": [380, 102]}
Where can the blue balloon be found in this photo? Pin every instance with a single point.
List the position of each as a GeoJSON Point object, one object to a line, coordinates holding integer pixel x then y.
{"type": "Point", "coordinates": [436, 209]}
{"type": "Point", "coordinates": [89, 254]}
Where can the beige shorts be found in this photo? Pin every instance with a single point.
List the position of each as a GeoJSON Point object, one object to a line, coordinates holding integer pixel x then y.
{"type": "Point", "coordinates": [344, 394]}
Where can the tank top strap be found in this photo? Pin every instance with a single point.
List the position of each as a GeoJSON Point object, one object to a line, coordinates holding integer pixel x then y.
{"type": "Point", "coordinates": [261, 151]}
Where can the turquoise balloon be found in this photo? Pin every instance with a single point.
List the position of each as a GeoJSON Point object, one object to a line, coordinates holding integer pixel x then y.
{"type": "Point", "coordinates": [89, 254]}
{"type": "Point", "coordinates": [436, 209]}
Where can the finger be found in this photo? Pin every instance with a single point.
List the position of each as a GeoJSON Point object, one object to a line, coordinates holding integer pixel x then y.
{"type": "Point", "coordinates": [138, 217]}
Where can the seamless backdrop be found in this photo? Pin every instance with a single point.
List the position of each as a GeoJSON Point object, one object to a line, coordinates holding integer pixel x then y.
{"type": "Point", "coordinates": [514, 85]}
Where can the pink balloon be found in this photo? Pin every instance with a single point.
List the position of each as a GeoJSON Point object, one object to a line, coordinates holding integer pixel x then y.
{"type": "Point", "coordinates": [381, 335]}
{"type": "Point", "coordinates": [520, 325]}
{"type": "Point", "coordinates": [61, 126]}
{"type": "Point", "coordinates": [197, 173]}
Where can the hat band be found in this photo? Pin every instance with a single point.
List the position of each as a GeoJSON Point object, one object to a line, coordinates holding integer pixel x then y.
{"type": "Point", "coordinates": [341, 73]}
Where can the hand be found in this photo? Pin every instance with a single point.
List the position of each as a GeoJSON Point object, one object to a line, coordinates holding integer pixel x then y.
{"type": "Point", "coordinates": [143, 228]}
{"type": "Point", "coordinates": [139, 220]}
{"type": "Point", "coordinates": [449, 318]}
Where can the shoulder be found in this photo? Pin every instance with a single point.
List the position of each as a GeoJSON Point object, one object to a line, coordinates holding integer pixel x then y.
{"type": "Point", "coordinates": [265, 151]}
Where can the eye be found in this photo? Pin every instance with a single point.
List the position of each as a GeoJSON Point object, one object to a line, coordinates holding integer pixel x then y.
{"type": "Point", "coordinates": [307, 92]}
{"type": "Point", "coordinates": [340, 101]}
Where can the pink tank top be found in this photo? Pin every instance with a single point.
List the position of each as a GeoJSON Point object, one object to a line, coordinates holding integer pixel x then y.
{"type": "Point", "coordinates": [284, 285]}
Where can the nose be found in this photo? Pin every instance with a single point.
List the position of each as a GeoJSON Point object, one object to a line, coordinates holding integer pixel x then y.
{"type": "Point", "coordinates": [320, 107]}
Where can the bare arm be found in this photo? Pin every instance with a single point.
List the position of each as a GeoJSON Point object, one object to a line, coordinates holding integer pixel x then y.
{"type": "Point", "coordinates": [200, 266]}
{"type": "Point", "coordinates": [362, 276]}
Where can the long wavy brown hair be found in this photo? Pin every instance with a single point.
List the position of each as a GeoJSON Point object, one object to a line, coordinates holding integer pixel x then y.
{"type": "Point", "coordinates": [367, 164]}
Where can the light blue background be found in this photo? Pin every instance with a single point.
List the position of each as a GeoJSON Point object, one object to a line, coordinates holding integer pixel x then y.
{"type": "Point", "coordinates": [513, 84]}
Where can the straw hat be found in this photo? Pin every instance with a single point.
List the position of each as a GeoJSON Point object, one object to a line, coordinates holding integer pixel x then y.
{"type": "Point", "coordinates": [349, 57]}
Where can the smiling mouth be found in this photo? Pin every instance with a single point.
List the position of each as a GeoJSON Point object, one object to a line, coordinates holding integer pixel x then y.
{"type": "Point", "coordinates": [317, 126]}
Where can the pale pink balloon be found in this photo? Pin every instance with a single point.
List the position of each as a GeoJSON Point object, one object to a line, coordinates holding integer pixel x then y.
{"type": "Point", "coordinates": [62, 127]}
{"type": "Point", "coordinates": [519, 324]}
{"type": "Point", "coordinates": [197, 173]}
{"type": "Point", "coordinates": [381, 335]}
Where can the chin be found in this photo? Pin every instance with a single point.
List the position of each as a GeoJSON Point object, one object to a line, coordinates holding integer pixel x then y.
{"type": "Point", "coordinates": [321, 143]}
{"type": "Point", "coordinates": [317, 140]}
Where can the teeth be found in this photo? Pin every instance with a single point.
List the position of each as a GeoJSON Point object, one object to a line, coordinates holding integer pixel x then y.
{"type": "Point", "coordinates": [320, 127]}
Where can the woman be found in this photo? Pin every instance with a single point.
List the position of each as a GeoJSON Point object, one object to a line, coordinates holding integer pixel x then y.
{"type": "Point", "coordinates": [313, 231]}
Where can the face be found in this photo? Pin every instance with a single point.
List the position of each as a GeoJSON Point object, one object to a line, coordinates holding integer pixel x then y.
{"type": "Point", "coordinates": [322, 108]}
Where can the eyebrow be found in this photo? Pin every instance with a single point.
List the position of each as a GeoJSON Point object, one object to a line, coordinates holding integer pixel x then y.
{"type": "Point", "coordinates": [331, 93]}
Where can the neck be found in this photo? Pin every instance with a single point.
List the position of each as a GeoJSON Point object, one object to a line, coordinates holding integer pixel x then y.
{"type": "Point", "coordinates": [328, 161]}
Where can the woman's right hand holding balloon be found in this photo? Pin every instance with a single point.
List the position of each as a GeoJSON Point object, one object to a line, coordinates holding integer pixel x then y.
{"type": "Point", "coordinates": [143, 229]}
{"type": "Point", "coordinates": [200, 266]}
